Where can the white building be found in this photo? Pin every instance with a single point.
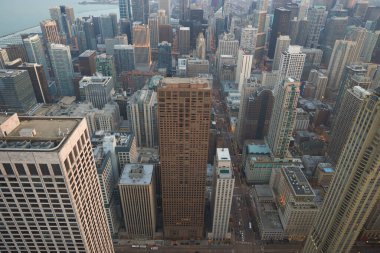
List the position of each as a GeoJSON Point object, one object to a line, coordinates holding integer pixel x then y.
{"type": "Point", "coordinates": [248, 38]}
{"type": "Point", "coordinates": [223, 187]}
{"type": "Point", "coordinates": [282, 43]}
{"type": "Point", "coordinates": [97, 89]}
{"type": "Point", "coordinates": [291, 64]}
{"type": "Point", "coordinates": [302, 120]}
{"type": "Point", "coordinates": [243, 69]}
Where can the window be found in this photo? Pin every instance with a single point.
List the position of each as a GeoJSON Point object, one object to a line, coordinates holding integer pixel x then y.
{"type": "Point", "coordinates": [8, 168]}
{"type": "Point", "coordinates": [56, 169]}
{"type": "Point", "coordinates": [32, 169]}
{"type": "Point", "coordinates": [20, 169]}
{"type": "Point", "coordinates": [44, 169]}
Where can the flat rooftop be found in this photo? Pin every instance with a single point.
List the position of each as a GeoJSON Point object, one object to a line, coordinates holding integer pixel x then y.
{"type": "Point", "coordinates": [177, 82]}
{"type": "Point", "coordinates": [259, 149]}
{"type": "Point", "coordinates": [137, 174]}
{"type": "Point", "coordinates": [225, 173]}
{"type": "Point", "coordinates": [263, 190]}
{"type": "Point", "coordinates": [223, 154]}
{"type": "Point", "coordinates": [297, 181]}
{"type": "Point", "coordinates": [87, 53]}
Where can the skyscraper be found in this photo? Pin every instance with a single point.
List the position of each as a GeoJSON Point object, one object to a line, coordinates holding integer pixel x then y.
{"type": "Point", "coordinates": [64, 16]}
{"type": "Point", "coordinates": [107, 27]}
{"type": "Point", "coordinates": [283, 117]}
{"type": "Point", "coordinates": [223, 189]}
{"type": "Point", "coordinates": [142, 114]}
{"type": "Point", "coordinates": [316, 17]}
{"type": "Point", "coordinates": [355, 188]}
{"type": "Point", "coordinates": [106, 65]}
{"type": "Point", "coordinates": [164, 55]}
{"type": "Point", "coordinates": [248, 38]}
{"type": "Point", "coordinates": [124, 9]}
{"type": "Point", "coordinates": [140, 10]}
{"type": "Point", "coordinates": [280, 26]}
{"type": "Point", "coordinates": [124, 56]}
{"type": "Point", "coordinates": [87, 63]}
{"type": "Point", "coordinates": [165, 5]}
{"type": "Point", "coordinates": [243, 69]}
{"type": "Point", "coordinates": [63, 69]}
{"type": "Point", "coordinates": [35, 52]}
{"type": "Point", "coordinates": [16, 91]}
{"type": "Point", "coordinates": [55, 206]}
{"type": "Point", "coordinates": [184, 108]}
{"type": "Point", "coordinates": [201, 47]}
{"type": "Point", "coordinates": [141, 42]}
{"type": "Point", "coordinates": [153, 29]}
{"type": "Point", "coordinates": [184, 40]}
{"type": "Point", "coordinates": [282, 44]}
{"type": "Point", "coordinates": [3, 58]}
{"type": "Point", "coordinates": [291, 64]}
{"type": "Point", "coordinates": [97, 89]}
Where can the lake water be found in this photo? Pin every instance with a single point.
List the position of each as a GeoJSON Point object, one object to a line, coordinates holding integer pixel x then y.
{"type": "Point", "coordinates": [18, 15]}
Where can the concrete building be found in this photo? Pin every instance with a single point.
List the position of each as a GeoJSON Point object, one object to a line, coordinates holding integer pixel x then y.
{"type": "Point", "coordinates": [117, 40]}
{"type": "Point", "coordinates": [35, 51]}
{"type": "Point", "coordinates": [165, 5]}
{"type": "Point", "coordinates": [63, 69]}
{"type": "Point", "coordinates": [184, 40]}
{"type": "Point", "coordinates": [223, 189]}
{"type": "Point", "coordinates": [283, 117]}
{"type": "Point", "coordinates": [165, 55]}
{"type": "Point", "coordinates": [124, 57]}
{"type": "Point", "coordinates": [87, 63]}
{"type": "Point", "coordinates": [291, 64]}
{"type": "Point", "coordinates": [243, 68]}
{"type": "Point", "coordinates": [319, 81]}
{"type": "Point", "coordinates": [142, 114]}
{"type": "Point", "coordinates": [296, 201]}
{"type": "Point", "coordinates": [352, 101]}
{"type": "Point", "coordinates": [228, 45]}
{"type": "Point", "coordinates": [50, 32]}
{"type": "Point", "coordinates": [324, 174]}
{"type": "Point", "coordinates": [313, 60]}
{"type": "Point", "coordinates": [60, 192]}
{"type": "Point", "coordinates": [302, 120]}
{"type": "Point", "coordinates": [97, 89]}
{"type": "Point", "coordinates": [183, 189]}
{"type": "Point", "coordinates": [153, 29]}
{"type": "Point", "coordinates": [139, 10]}
{"type": "Point", "coordinates": [3, 58]}
{"type": "Point", "coordinates": [280, 26]}
{"type": "Point", "coordinates": [282, 44]}
{"type": "Point", "coordinates": [201, 47]}
{"type": "Point", "coordinates": [105, 65]}
{"type": "Point", "coordinates": [354, 190]}
{"type": "Point", "coordinates": [138, 200]}
{"type": "Point", "coordinates": [316, 18]}
{"type": "Point", "coordinates": [369, 45]}
{"type": "Point", "coordinates": [195, 67]}
{"type": "Point", "coordinates": [248, 38]}
{"type": "Point", "coordinates": [141, 43]}
{"type": "Point", "coordinates": [106, 25]}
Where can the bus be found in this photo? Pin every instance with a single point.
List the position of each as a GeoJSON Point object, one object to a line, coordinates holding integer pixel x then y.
{"type": "Point", "coordinates": [250, 225]}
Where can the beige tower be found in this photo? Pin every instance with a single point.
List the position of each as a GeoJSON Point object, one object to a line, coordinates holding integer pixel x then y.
{"type": "Point", "coordinates": [355, 188]}
{"type": "Point", "coordinates": [51, 195]}
{"type": "Point", "coordinates": [184, 106]}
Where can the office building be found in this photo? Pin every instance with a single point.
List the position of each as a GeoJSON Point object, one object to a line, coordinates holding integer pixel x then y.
{"type": "Point", "coordinates": [183, 159]}
{"type": "Point", "coordinates": [124, 56]}
{"type": "Point", "coordinates": [316, 17]}
{"type": "Point", "coordinates": [248, 38]}
{"type": "Point", "coordinates": [141, 42]}
{"type": "Point", "coordinates": [313, 60]}
{"type": "Point", "coordinates": [228, 45]}
{"type": "Point", "coordinates": [291, 64]}
{"type": "Point", "coordinates": [55, 207]}
{"type": "Point", "coordinates": [165, 33]}
{"type": "Point", "coordinates": [371, 229]}
{"type": "Point", "coordinates": [201, 47]}
{"type": "Point", "coordinates": [296, 201]}
{"type": "Point", "coordinates": [63, 69]}
{"type": "Point", "coordinates": [195, 67]}
{"type": "Point", "coordinates": [87, 63]}
{"type": "Point", "coordinates": [283, 117]}
{"type": "Point", "coordinates": [64, 16]}
{"type": "Point", "coordinates": [302, 120]}
{"type": "Point", "coordinates": [280, 26]}
{"type": "Point", "coordinates": [124, 9]}
{"type": "Point", "coordinates": [227, 68]}
{"type": "Point", "coordinates": [243, 68]}
{"type": "Point", "coordinates": [352, 101]}
{"type": "Point", "coordinates": [140, 11]}
{"type": "Point", "coordinates": [153, 29]}
{"type": "Point", "coordinates": [105, 65]}
{"type": "Point", "coordinates": [163, 18]}
{"type": "Point", "coordinates": [165, 55]}
{"type": "Point", "coordinates": [118, 40]}
{"type": "Point", "coordinates": [165, 5]}
{"type": "Point", "coordinates": [15, 51]}
{"type": "Point", "coordinates": [35, 51]}
{"type": "Point", "coordinates": [223, 189]}
{"type": "Point", "coordinates": [282, 44]}
{"type": "Point", "coordinates": [138, 200]}
{"type": "Point", "coordinates": [354, 191]}
{"type": "Point", "coordinates": [97, 89]}
{"type": "Point", "coordinates": [184, 40]}
{"type": "Point", "coordinates": [319, 80]}
{"type": "Point", "coordinates": [369, 45]}
{"type": "Point", "coordinates": [50, 32]}
{"type": "Point", "coordinates": [3, 58]}
{"type": "Point", "coordinates": [16, 91]}
{"type": "Point", "coordinates": [142, 114]}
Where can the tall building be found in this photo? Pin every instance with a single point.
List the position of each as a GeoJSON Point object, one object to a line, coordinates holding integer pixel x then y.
{"type": "Point", "coordinates": [97, 89]}
{"type": "Point", "coordinates": [335, 29]}
{"type": "Point", "coordinates": [153, 29]}
{"type": "Point", "coordinates": [3, 58]}
{"type": "Point", "coordinates": [184, 40]}
{"type": "Point", "coordinates": [87, 63]}
{"type": "Point", "coordinates": [165, 5]}
{"type": "Point", "coordinates": [165, 55]}
{"type": "Point", "coordinates": [248, 38]}
{"type": "Point", "coordinates": [313, 60]}
{"type": "Point", "coordinates": [107, 29]}
{"type": "Point", "coordinates": [35, 51]}
{"type": "Point", "coordinates": [291, 64]}
{"type": "Point", "coordinates": [341, 56]}
{"type": "Point", "coordinates": [283, 117]}
{"type": "Point", "coordinates": [142, 114]}
{"type": "Point", "coordinates": [105, 65]}
{"type": "Point", "coordinates": [280, 26]}
{"type": "Point", "coordinates": [243, 69]}
{"type": "Point", "coordinates": [196, 67]}
{"type": "Point", "coordinates": [184, 109]}
{"type": "Point", "coordinates": [282, 44]}
{"type": "Point", "coordinates": [138, 200]}
{"type": "Point", "coordinates": [124, 9]}
{"type": "Point", "coordinates": [163, 18]}
{"type": "Point", "coordinates": [124, 56]}
{"type": "Point", "coordinates": [316, 17]}
{"type": "Point", "coordinates": [319, 81]}
{"type": "Point", "coordinates": [140, 11]}
{"type": "Point", "coordinates": [141, 42]}
{"type": "Point", "coordinates": [201, 47]}
{"type": "Point", "coordinates": [223, 189]}
{"type": "Point", "coordinates": [228, 45]}
{"type": "Point", "coordinates": [50, 31]}
{"type": "Point", "coordinates": [64, 16]}
{"type": "Point", "coordinates": [354, 190]}
{"type": "Point", "coordinates": [55, 207]}
{"type": "Point", "coordinates": [63, 69]}
{"type": "Point", "coordinates": [16, 91]}
{"type": "Point", "coordinates": [15, 51]}
{"type": "Point", "coordinates": [165, 33]}
{"type": "Point", "coordinates": [369, 45]}
{"type": "Point", "coordinates": [352, 101]}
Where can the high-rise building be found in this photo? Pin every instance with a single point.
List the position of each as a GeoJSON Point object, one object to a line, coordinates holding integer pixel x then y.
{"type": "Point", "coordinates": [39, 81]}
{"type": "Point", "coordinates": [165, 5]}
{"type": "Point", "coordinates": [316, 17]}
{"type": "Point", "coordinates": [153, 29]}
{"type": "Point", "coordinates": [124, 56]}
{"type": "Point", "coordinates": [248, 38]}
{"type": "Point", "coordinates": [87, 63]}
{"type": "Point", "coordinates": [283, 117]}
{"type": "Point", "coordinates": [63, 69]}
{"type": "Point", "coordinates": [369, 45]}
{"type": "Point", "coordinates": [291, 64]}
{"type": "Point", "coordinates": [280, 26]}
{"type": "Point", "coordinates": [163, 18]}
{"type": "Point", "coordinates": [319, 81]}
{"type": "Point", "coordinates": [165, 33]}
{"type": "Point", "coordinates": [184, 40]}
{"type": "Point", "coordinates": [352, 101]}
{"type": "Point", "coordinates": [335, 29]}
{"type": "Point", "coordinates": [3, 58]}
{"type": "Point", "coordinates": [195, 67]}
{"type": "Point", "coordinates": [97, 89]}
{"type": "Point", "coordinates": [64, 16]}
{"type": "Point", "coordinates": [354, 190]}
{"type": "Point", "coordinates": [223, 189]}
{"type": "Point", "coordinates": [313, 60]}
{"type": "Point", "coordinates": [341, 56]}
{"type": "Point", "coordinates": [105, 65]}
{"type": "Point", "coordinates": [138, 200]}
{"type": "Point", "coordinates": [107, 27]}
{"type": "Point", "coordinates": [184, 109]}
{"type": "Point", "coordinates": [35, 52]}
{"type": "Point", "coordinates": [141, 42]}
{"type": "Point", "coordinates": [165, 55]}
{"type": "Point", "coordinates": [55, 207]}
{"type": "Point", "coordinates": [201, 47]}
{"type": "Point", "coordinates": [50, 31]}
{"type": "Point", "coordinates": [228, 45]}
{"type": "Point", "coordinates": [15, 51]}
{"type": "Point", "coordinates": [16, 91]}
{"type": "Point", "coordinates": [111, 42]}
{"type": "Point", "coordinates": [89, 31]}
{"type": "Point", "coordinates": [142, 114]}
{"type": "Point", "coordinates": [140, 11]}
{"type": "Point", "coordinates": [124, 9]}
{"type": "Point", "coordinates": [243, 69]}
{"type": "Point", "coordinates": [282, 44]}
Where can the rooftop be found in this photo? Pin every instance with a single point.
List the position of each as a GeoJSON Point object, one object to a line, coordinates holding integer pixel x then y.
{"type": "Point", "coordinates": [263, 190]}
{"type": "Point", "coordinates": [87, 53]}
{"type": "Point", "coordinates": [177, 82]}
{"type": "Point", "coordinates": [137, 174]}
{"type": "Point", "coordinates": [297, 181]}
{"type": "Point", "coordinates": [4, 73]}
{"type": "Point", "coordinates": [260, 149]}
{"type": "Point", "coordinates": [223, 154]}
{"type": "Point", "coordinates": [225, 173]}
